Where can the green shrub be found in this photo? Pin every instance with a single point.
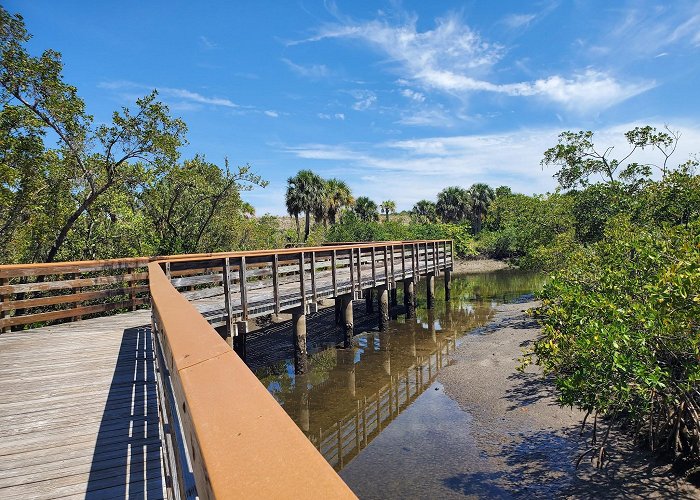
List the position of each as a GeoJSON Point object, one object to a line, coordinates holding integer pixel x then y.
{"type": "Point", "coordinates": [621, 332]}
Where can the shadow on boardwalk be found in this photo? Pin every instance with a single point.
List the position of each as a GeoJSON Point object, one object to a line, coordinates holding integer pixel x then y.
{"type": "Point", "coordinates": [127, 458]}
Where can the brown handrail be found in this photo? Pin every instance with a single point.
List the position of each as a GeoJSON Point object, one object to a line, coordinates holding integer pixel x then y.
{"type": "Point", "coordinates": [240, 442]}
{"type": "Point", "coordinates": [57, 291]}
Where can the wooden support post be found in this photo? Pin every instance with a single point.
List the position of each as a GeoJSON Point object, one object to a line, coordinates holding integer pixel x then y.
{"type": "Point", "coordinates": [230, 326]}
{"type": "Point", "coordinates": [425, 257]}
{"type": "Point", "coordinates": [276, 283]}
{"type": "Point", "coordinates": [359, 269]}
{"type": "Point", "coordinates": [393, 297]}
{"type": "Point", "coordinates": [430, 289]}
{"type": "Point", "coordinates": [374, 268]}
{"type": "Point", "coordinates": [167, 269]}
{"type": "Point", "coordinates": [369, 300]}
{"type": "Point", "coordinates": [334, 274]}
{"type": "Point", "coordinates": [313, 276]}
{"type": "Point", "coordinates": [351, 254]}
{"type": "Point", "coordinates": [338, 310]}
{"type": "Point", "coordinates": [244, 288]}
{"type": "Point", "coordinates": [403, 262]}
{"type": "Point", "coordinates": [349, 323]}
{"type": "Point", "coordinates": [448, 284]}
{"type": "Point", "coordinates": [301, 363]}
{"type": "Point", "coordinates": [386, 265]}
{"type": "Point", "coordinates": [383, 307]}
{"type": "Point", "coordinates": [393, 275]}
{"type": "Point", "coordinates": [302, 282]}
{"type": "Point", "coordinates": [409, 298]}
{"type": "Point", "coordinates": [4, 299]}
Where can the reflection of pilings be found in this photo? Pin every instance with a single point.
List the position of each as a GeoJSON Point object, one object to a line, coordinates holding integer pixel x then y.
{"type": "Point", "coordinates": [385, 348]}
{"type": "Point", "coordinates": [346, 362]}
{"type": "Point", "coordinates": [344, 439]}
{"type": "Point", "coordinates": [303, 414]}
{"type": "Point", "coordinates": [448, 284]}
{"type": "Point", "coordinates": [430, 289]}
{"type": "Point", "coordinates": [300, 355]}
{"type": "Point", "coordinates": [431, 325]}
{"type": "Point", "coordinates": [383, 307]}
{"type": "Point", "coordinates": [409, 298]}
{"type": "Point", "coordinates": [369, 300]}
{"type": "Point", "coordinates": [349, 325]}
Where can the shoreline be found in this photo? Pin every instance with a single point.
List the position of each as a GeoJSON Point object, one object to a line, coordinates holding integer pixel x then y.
{"type": "Point", "coordinates": [528, 443]}
{"type": "Point", "coordinates": [464, 266]}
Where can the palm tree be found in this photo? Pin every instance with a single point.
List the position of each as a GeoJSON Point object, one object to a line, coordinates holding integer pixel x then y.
{"type": "Point", "coordinates": [338, 196]}
{"type": "Point", "coordinates": [481, 196]}
{"type": "Point", "coordinates": [306, 193]}
{"type": "Point", "coordinates": [366, 209]}
{"type": "Point", "coordinates": [424, 211]}
{"type": "Point", "coordinates": [388, 207]}
{"type": "Point", "coordinates": [453, 204]}
{"type": "Point", "coordinates": [294, 203]}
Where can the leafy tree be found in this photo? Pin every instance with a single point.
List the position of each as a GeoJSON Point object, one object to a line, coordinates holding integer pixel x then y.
{"type": "Point", "coordinates": [424, 211]}
{"type": "Point", "coordinates": [388, 207]}
{"type": "Point", "coordinates": [366, 209]}
{"type": "Point", "coordinates": [305, 193]}
{"type": "Point", "coordinates": [338, 196]}
{"type": "Point", "coordinates": [453, 204]}
{"type": "Point", "coordinates": [481, 196]}
{"type": "Point", "coordinates": [89, 161]}
{"type": "Point", "coordinates": [579, 159]}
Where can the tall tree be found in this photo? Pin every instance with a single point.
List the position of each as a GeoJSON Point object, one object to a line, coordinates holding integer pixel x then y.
{"type": "Point", "coordinates": [424, 211]}
{"type": "Point", "coordinates": [388, 207]}
{"type": "Point", "coordinates": [92, 160]}
{"type": "Point", "coordinates": [306, 188]}
{"type": "Point", "coordinates": [481, 196]}
{"type": "Point", "coordinates": [366, 209]}
{"type": "Point", "coordinates": [453, 204]}
{"type": "Point", "coordinates": [338, 196]}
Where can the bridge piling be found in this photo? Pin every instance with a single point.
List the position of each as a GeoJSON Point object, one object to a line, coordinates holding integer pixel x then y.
{"type": "Point", "coordinates": [349, 323]}
{"type": "Point", "coordinates": [383, 293]}
{"type": "Point", "coordinates": [300, 353]}
{"type": "Point", "coordinates": [369, 300]}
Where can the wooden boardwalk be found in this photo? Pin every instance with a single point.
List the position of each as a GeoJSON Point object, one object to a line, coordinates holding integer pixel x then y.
{"type": "Point", "coordinates": [78, 411]}
{"type": "Point", "coordinates": [80, 401]}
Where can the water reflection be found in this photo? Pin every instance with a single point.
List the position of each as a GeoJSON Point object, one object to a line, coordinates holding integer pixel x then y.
{"type": "Point", "coordinates": [349, 395]}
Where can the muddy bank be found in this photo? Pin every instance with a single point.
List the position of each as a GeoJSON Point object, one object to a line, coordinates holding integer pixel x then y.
{"type": "Point", "coordinates": [528, 444]}
{"type": "Point", "coordinates": [479, 266]}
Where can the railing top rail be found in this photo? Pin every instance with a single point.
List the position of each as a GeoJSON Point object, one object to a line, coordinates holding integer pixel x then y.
{"type": "Point", "coordinates": [39, 269]}
{"type": "Point", "coordinates": [240, 441]}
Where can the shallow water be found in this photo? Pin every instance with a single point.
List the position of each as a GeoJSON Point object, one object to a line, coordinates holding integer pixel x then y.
{"type": "Point", "coordinates": [350, 397]}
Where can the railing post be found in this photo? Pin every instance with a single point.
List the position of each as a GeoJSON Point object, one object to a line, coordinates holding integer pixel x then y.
{"type": "Point", "coordinates": [374, 268]}
{"type": "Point", "coordinates": [226, 280]}
{"type": "Point", "coordinates": [313, 276]}
{"type": "Point", "coordinates": [275, 283]}
{"type": "Point", "coordinates": [425, 257]}
{"type": "Point", "coordinates": [4, 298]}
{"type": "Point", "coordinates": [334, 275]}
{"type": "Point", "coordinates": [302, 284]}
{"type": "Point", "coordinates": [351, 260]}
{"type": "Point", "coordinates": [359, 269]}
{"type": "Point", "coordinates": [393, 276]}
{"type": "Point", "coordinates": [403, 261]}
{"type": "Point", "coordinates": [244, 289]}
{"type": "Point", "coordinates": [386, 266]}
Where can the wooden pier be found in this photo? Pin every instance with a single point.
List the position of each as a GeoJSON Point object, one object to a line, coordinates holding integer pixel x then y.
{"type": "Point", "coordinates": [102, 406]}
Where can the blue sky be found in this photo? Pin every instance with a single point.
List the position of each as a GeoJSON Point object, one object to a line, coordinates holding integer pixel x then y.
{"type": "Point", "coordinates": [399, 99]}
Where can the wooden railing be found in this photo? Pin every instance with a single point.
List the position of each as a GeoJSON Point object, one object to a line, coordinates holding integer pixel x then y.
{"type": "Point", "coordinates": [32, 294]}
{"type": "Point", "coordinates": [225, 435]}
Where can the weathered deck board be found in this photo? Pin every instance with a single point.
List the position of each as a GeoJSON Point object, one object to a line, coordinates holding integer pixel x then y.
{"type": "Point", "coordinates": [78, 411]}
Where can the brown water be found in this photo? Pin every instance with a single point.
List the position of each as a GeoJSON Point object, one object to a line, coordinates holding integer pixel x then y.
{"type": "Point", "coordinates": [351, 396]}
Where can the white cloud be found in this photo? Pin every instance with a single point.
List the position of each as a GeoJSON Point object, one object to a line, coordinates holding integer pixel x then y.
{"type": "Point", "coordinates": [271, 113]}
{"type": "Point", "coordinates": [515, 21]}
{"type": "Point", "coordinates": [188, 98]}
{"type": "Point", "coordinates": [410, 170]}
{"type": "Point", "coordinates": [188, 95]}
{"type": "Point", "coordinates": [312, 71]}
{"type": "Point", "coordinates": [207, 43]}
{"type": "Point", "coordinates": [327, 116]}
{"type": "Point", "coordinates": [455, 59]}
{"type": "Point", "coordinates": [413, 95]}
{"type": "Point", "coordinates": [364, 99]}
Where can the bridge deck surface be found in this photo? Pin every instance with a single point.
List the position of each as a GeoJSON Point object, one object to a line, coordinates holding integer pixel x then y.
{"type": "Point", "coordinates": [78, 411]}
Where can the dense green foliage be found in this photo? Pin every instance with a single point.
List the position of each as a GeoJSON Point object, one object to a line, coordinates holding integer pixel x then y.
{"type": "Point", "coordinates": [622, 331]}
{"type": "Point", "coordinates": [109, 190]}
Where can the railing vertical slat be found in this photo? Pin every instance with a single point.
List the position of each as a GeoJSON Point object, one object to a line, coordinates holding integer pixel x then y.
{"type": "Point", "coordinates": [244, 289]}
{"type": "Point", "coordinates": [386, 265]}
{"type": "Point", "coordinates": [403, 261]}
{"type": "Point", "coordinates": [4, 298]}
{"type": "Point", "coordinates": [393, 276]}
{"type": "Point", "coordinates": [302, 284]}
{"type": "Point", "coordinates": [351, 261]}
{"type": "Point", "coordinates": [226, 280]}
{"type": "Point", "coordinates": [359, 269]}
{"type": "Point", "coordinates": [313, 276]}
{"type": "Point", "coordinates": [374, 267]}
{"type": "Point", "coordinates": [275, 283]}
{"type": "Point", "coordinates": [334, 274]}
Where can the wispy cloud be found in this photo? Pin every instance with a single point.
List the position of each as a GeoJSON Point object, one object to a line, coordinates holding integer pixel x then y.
{"type": "Point", "coordinates": [206, 43]}
{"type": "Point", "coordinates": [410, 170]}
{"type": "Point", "coordinates": [364, 99]}
{"type": "Point", "coordinates": [334, 116]}
{"type": "Point", "coordinates": [515, 21]}
{"type": "Point", "coordinates": [413, 95]}
{"type": "Point", "coordinates": [271, 113]}
{"type": "Point", "coordinates": [310, 71]}
{"type": "Point", "coordinates": [455, 59]}
{"type": "Point", "coordinates": [184, 95]}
